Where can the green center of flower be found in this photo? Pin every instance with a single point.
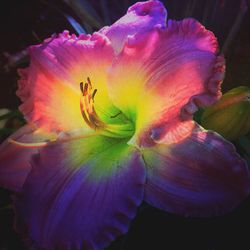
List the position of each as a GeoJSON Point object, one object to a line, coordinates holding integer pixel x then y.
{"type": "Point", "coordinates": [93, 120]}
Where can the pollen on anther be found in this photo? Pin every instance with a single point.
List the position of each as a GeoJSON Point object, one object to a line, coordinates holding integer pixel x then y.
{"type": "Point", "coordinates": [89, 82]}
{"type": "Point", "coordinates": [94, 93]}
{"type": "Point", "coordinates": [81, 87]}
{"type": "Point", "coordinates": [84, 89]}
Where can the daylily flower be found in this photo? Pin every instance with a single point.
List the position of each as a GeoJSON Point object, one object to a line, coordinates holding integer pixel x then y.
{"type": "Point", "coordinates": [110, 125]}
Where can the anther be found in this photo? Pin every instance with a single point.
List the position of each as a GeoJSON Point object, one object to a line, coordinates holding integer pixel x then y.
{"type": "Point", "coordinates": [94, 93]}
{"type": "Point", "coordinates": [81, 87]}
{"type": "Point", "coordinates": [89, 82]}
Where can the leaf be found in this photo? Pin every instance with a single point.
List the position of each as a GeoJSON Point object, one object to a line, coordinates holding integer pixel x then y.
{"type": "Point", "coordinates": [85, 12]}
{"type": "Point", "coordinates": [78, 28]}
{"type": "Point", "coordinates": [11, 114]}
{"type": "Point", "coordinates": [243, 146]}
{"type": "Point", "coordinates": [198, 115]}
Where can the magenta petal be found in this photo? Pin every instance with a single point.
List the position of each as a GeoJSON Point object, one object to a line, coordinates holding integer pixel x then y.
{"type": "Point", "coordinates": [140, 17]}
{"type": "Point", "coordinates": [167, 73]}
{"type": "Point", "coordinates": [15, 160]}
{"type": "Point", "coordinates": [199, 176]}
{"type": "Point", "coordinates": [64, 205]}
{"type": "Point", "coordinates": [49, 87]}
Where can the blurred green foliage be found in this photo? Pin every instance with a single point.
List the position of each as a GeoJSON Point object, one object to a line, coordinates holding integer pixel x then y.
{"type": "Point", "coordinates": [230, 116]}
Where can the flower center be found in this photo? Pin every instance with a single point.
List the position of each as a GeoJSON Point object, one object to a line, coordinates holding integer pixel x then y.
{"type": "Point", "coordinates": [91, 118]}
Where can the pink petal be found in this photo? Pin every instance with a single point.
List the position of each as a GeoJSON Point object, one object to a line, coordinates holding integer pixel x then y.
{"type": "Point", "coordinates": [49, 87]}
{"type": "Point", "coordinates": [15, 160]}
{"type": "Point", "coordinates": [140, 17]}
{"type": "Point", "coordinates": [199, 176]}
{"type": "Point", "coordinates": [81, 194]}
{"type": "Point", "coordinates": [164, 74]}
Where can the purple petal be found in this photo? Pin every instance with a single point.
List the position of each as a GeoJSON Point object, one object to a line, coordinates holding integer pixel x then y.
{"type": "Point", "coordinates": [15, 160]}
{"type": "Point", "coordinates": [80, 206]}
{"type": "Point", "coordinates": [199, 176]}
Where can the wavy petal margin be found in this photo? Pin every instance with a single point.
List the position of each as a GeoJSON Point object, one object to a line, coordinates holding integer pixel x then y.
{"type": "Point", "coordinates": [167, 73]}
{"type": "Point", "coordinates": [15, 160]}
{"type": "Point", "coordinates": [141, 17]}
{"type": "Point", "coordinates": [201, 176]}
{"type": "Point", "coordinates": [50, 86]}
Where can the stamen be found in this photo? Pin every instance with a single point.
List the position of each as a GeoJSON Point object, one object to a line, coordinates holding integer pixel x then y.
{"type": "Point", "coordinates": [85, 90]}
{"type": "Point", "coordinates": [94, 93]}
{"type": "Point", "coordinates": [84, 115]}
{"type": "Point", "coordinates": [93, 120]}
{"type": "Point", "coordinates": [89, 82]}
{"type": "Point", "coordinates": [81, 87]}
{"type": "Point", "coordinates": [87, 108]}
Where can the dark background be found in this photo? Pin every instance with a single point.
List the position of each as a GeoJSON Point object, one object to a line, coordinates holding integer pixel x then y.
{"type": "Point", "coordinates": [26, 22]}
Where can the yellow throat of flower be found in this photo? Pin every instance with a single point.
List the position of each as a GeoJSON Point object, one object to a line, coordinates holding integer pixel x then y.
{"type": "Point", "coordinates": [90, 116]}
